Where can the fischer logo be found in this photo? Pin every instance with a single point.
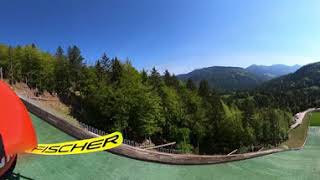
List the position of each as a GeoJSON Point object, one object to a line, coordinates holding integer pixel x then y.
{"type": "Point", "coordinates": [82, 146]}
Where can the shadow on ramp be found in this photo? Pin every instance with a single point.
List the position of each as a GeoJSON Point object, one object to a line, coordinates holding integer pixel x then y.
{"type": "Point", "coordinates": [15, 176]}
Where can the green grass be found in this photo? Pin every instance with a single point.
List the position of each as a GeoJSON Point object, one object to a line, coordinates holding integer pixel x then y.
{"type": "Point", "coordinates": [315, 119]}
{"type": "Point", "coordinates": [288, 165]}
{"type": "Point", "coordinates": [298, 135]}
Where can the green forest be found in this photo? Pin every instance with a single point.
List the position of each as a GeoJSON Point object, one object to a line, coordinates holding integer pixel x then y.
{"type": "Point", "coordinates": [112, 95]}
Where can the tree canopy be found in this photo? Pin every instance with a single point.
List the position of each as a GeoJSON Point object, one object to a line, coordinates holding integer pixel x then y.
{"type": "Point", "coordinates": [112, 95]}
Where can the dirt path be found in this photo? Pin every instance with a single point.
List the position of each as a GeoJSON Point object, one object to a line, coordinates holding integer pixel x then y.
{"type": "Point", "coordinates": [299, 117]}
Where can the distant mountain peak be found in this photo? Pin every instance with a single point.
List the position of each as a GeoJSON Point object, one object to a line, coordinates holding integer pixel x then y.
{"type": "Point", "coordinates": [224, 77]}
{"type": "Point", "coordinates": [307, 77]}
{"type": "Point", "coordinates": [237, 78]}
{"type": "Point", "coordinates": [272, 71]}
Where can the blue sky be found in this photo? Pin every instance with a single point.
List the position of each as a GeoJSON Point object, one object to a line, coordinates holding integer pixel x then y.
{"type": "Point", "coordinates": [178, 35]}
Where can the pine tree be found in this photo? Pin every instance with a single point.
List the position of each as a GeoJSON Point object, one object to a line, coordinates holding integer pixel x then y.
{"type": "Point", "coordinates": [59, 55]}
{"type": "Point", "coordinates": [204, 90]}
{"type": "Point", "coordinates": [75, 66]}
{"type": "Point", "coordinates": [155, 79]}
{"type": "Point", "coordinates": [167, 78]}
{"type": "Point", "coordinates": [190, 85]}
{"type": "Point", "coordinates": [171, 80]}
{"type": "Point", "coordinates": [105, 63]}
{"type": "Point", "coordinates": [144, 76]}
{"type": "Point", "coordinates": [116, 71]}
{"type": "Point", "coordinates": [61, 72]}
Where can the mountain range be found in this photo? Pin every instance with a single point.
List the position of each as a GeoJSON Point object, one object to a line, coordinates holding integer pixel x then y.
{"type": "Point", "coordinates": [273, 71]}
{"type": "Point", "coordinates": [237, 78]}
{"type": "Point", "coordinates": [299, 90]}
{"type": "Point", "coordinates": [307, 76]}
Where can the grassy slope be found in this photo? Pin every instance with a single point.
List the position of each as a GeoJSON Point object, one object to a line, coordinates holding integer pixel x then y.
{"type": "Point", "coordinates": [298, 135]}
{"type": "Point", "coordinates": [315, 119]}
{"type": "Point", "coordinates": [103, 165]}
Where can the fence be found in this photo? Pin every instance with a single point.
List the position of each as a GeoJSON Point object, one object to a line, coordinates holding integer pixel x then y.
{"type": "Point", "coordinates": [126, 141]}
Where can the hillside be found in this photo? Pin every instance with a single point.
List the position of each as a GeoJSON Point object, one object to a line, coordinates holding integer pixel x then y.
{"type": "Point", "coordinates": [113, 96]}
{"type": "Point", "coordinates": [298, 90]}
{"type": "Point", "coordinates": [226, 78]}
{"type": "Point", "coordinates": [306, 77]}
{"type": "Point", "coordinates": [273, 71]}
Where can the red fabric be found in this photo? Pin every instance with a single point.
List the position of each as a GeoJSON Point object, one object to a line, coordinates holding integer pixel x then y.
{"type": "Point", "coordinates": [16, 126]}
